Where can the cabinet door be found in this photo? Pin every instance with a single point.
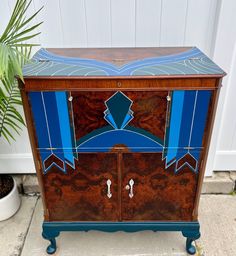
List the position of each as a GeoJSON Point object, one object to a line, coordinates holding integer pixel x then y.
{"type": "Point", "coordinates": [87, 192]}
{"type": "Point", "coordinates": [151, 192]}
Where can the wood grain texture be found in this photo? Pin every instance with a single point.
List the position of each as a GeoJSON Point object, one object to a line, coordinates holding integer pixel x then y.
{"type": "Point", "coordinates": [119, 83]}
{"type": "Point", "coordinates": [81, 194]}
{"type": "Point", "coordinates": [118, 56]}
{"type": "Point", "coordinates": [159, 193]}
{"type": "Point", "coordinates": [149, 108]}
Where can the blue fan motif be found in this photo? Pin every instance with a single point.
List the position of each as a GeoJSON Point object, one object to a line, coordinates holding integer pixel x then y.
{"type": "Point", "coordinates": [118, 113]}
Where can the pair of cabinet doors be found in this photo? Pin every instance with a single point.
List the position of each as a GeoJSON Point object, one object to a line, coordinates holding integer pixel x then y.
{"type": "Point", "coordinates": [120, 156]}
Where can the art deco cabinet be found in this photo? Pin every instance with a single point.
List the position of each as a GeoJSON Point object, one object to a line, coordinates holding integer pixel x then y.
{"type": "Point", "coordinates": [120, 137]}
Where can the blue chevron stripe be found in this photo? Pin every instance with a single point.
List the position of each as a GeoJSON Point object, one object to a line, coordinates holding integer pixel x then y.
{"type": "Point", "coordinates": [64, 123]}
{"type": "Point", "coordinates": [202, 106]}
{"type": "Point", "coordinates": [186, 122]}
{"type": "Point", "coordinates": [175, 125]}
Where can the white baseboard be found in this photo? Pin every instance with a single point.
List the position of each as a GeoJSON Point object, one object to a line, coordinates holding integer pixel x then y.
{"type": "Point", "coordinates": [225, 161]}
{"type": "Point", "coordinates": [17, 163]}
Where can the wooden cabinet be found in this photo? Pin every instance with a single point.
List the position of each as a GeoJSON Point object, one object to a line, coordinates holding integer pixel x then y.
{"type": "Point", "coordinates": [120, 145]}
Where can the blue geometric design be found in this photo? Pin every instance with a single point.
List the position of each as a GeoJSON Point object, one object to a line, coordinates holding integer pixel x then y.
{"type": "Point", "coordinates": [104, 141]}
{"type": "Point", "coordinates": [118, 112]}
{"type": "Point", "coordinates": [183, 139]}
{"type": "Point", "coordinates": [190, 62]}
{"type": "Point", "coordinates": [186, 129]}
{"type": "Point", "coordinates": [52, 123]}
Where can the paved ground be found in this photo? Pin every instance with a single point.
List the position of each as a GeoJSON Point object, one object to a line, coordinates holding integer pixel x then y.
{"type": "Point", "coordinates": [21, 235]}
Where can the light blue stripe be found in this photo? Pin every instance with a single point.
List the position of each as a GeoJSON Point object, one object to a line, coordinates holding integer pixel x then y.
{"type": "Point", "coordinates": [64, 122]}
{"type": "Point", "coordinates": [175, 124]}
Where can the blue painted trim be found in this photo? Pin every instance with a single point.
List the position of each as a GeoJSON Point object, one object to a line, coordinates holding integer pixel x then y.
{"type": "Point", "coordinates": [120, 226]}
{"type": "Point", "coordinates": [191, 230]}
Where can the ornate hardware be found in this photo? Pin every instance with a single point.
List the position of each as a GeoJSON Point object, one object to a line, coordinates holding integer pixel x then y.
{"type": "Point", "coordinates": [109, 194]}
{"type": "Point", "coordinates": [168, 98]}
{"type": "Point", "coordinates": [130, 188]}
{"type": "Point", "coordinates": [70, 98]}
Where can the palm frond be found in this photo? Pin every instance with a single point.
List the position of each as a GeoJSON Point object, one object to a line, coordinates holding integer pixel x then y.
{"type": "Point", "coordinates": [14, 53]}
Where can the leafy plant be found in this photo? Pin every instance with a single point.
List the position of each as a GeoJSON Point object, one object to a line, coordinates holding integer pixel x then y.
{"type": "Point", "coordinates": [14, 53]}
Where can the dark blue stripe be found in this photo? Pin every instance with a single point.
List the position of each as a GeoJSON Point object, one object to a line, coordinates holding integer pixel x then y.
{"type": "Point", "coordinates": [39, 119]}
{"type": "Point", "coordinates": [53, 120]}
{"type": "Point", "coordinates": [175, 125]}
{"type": "Point", "coordinates": [135, 142]}
{"type": "Point", "coordinates": [200, 118]}
{"type": "Point", "coordinates": [64, 122]}
{"type": "Point", "coordinates": [186, 122]}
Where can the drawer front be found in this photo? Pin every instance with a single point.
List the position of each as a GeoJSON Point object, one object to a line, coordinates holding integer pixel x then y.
{"type": "Point", "coordinates": [86, 192]}
{"type": "Point", "coordinates": [152, 192]}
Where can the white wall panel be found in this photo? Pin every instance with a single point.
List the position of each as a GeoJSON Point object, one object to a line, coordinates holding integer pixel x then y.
{"type": "Point", "coordinates": [73, 22]}
{"type": "Point", "coordinates": [98, 21]}
{"type": "Point", "coordinates": [148, 22]}
{"type": "Point", "coordinates": [222, 149]}
{"type": "Point", "coordinates": [123, 23]}
{"type": "Point", "coordinates": [199, 24]}
{"type": "Point", "coordinates": [126, 23]}
{"type": "Point", "coordinates": [173, 22]}
{"type": "Point", "coordinates": [4, 14]}
{"type": "Point", "coordinates": [52, 23]}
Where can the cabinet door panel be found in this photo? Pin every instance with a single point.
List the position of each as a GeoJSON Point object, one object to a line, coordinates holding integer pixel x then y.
{"type": "Point", "coordinates": [158, 192]}
{"type": "Point", "coordinates": [81, 194]}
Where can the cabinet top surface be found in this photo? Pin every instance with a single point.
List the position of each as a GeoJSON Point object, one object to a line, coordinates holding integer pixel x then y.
{"type": "Point", "coordinates": [121, 62]}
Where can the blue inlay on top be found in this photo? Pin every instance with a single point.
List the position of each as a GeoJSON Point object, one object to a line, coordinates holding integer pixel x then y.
{"type": "Point", "coordinates": [190, 62]}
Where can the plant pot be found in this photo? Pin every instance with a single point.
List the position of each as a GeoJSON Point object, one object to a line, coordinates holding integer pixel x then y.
{"type": "Point", "coordinates": [10, 204]}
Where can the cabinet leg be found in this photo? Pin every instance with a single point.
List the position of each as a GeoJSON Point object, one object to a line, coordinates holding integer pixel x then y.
{"type": "Point", "coordinates": [51, 237]}
{"type": "Point", "coordinates": [190, 248]}
{"type": "Point", "coordinates": [191, 234]}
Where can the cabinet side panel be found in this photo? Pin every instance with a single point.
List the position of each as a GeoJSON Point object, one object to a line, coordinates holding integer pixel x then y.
{"type": "Point", "coordinates": [33, 142]}
{"type": "Point", "coordinates": [206, 145]}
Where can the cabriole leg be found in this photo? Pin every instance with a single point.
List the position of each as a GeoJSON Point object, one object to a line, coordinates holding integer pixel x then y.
{"type": "Point", "coordinates": [51, 249]}
{"type": "Point", "coordinates": [192, 234]}
{"type": "Point", "coordinates": [50, 235]}
{"type": "Point", "coordinates": [190, 248]}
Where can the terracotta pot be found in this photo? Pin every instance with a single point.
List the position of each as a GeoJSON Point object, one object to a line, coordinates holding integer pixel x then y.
{"type": "Point", "coordinates": [10, 204]}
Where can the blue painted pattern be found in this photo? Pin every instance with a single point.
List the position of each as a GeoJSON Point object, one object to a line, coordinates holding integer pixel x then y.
{"type": "Point", "coordinates": [183, 137]}
{"type": "Point", "coordinates": [118, 114]}
{"type": "Point", "coordinates": [191, 62]}
{"type": "Point", "coordinates": [52, 124]}
{"type": "Point", "coordinates": [185, 133]}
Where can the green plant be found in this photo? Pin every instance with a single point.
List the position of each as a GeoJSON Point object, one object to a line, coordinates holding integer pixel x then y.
{"type": "Point", "coordinates": [14, 53]}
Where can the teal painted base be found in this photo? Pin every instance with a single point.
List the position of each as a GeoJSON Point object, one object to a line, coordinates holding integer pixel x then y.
{"type": "Point", "coordinates": [190, 230]}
